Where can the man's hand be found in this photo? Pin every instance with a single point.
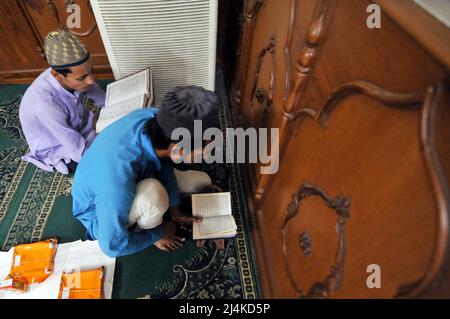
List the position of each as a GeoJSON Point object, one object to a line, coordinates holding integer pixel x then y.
{"type": "Point", "coordinates": [182, 218]}
{"type": "Point", "coordinates": [169, 242]}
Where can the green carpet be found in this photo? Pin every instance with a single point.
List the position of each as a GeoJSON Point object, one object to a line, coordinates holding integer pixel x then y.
{"type": "Point", "coordinates": [36, 205]}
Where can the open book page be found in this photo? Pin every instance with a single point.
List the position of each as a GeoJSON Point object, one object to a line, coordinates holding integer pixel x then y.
{"type": "Point", "coordinates": [115, 111]}
{"type": "Point", "coordinates": [216, 225]}
{"type": "Point", "coordinates": [129, 87]}
{"type": "Point", "coordinates": [150, 93]}
{"type": "Point", "coordinates": [211, 205]}
{"type": "Point", "coordinates": [122, 108]}
{"type": "Point", "coordinates": [218, 221]}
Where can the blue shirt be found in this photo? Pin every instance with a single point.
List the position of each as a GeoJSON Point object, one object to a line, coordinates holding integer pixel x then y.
{"type": "Point", "coordinates": [105, 184]}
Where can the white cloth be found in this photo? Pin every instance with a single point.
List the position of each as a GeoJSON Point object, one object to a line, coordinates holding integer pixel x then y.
{"type": "Point", "coordinates": [191, 181]}
{"type": "Point", "coordinates": [152, 201]}
{"type": "Point", "coordinates": [149, 205]}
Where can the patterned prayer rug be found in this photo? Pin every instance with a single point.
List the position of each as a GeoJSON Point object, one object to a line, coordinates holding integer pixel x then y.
{"type": "Point", "coordinates": [36, 205]}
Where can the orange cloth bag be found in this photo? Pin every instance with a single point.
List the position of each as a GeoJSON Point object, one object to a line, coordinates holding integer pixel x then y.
{"type": "Point", "coordinates": [86, 284]}
{"type": "Point", "coordinates": [31, 264]}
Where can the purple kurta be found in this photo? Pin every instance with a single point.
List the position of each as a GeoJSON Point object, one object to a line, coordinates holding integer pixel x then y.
{"type": "Point", "coordinates": [56, 125]}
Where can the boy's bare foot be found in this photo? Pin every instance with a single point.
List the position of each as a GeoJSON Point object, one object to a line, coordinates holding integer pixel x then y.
{"type": "Point", "coordinates": [169, 242]}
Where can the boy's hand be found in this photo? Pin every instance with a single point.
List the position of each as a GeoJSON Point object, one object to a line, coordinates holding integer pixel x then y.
{"type": "Point", "coordinates": [169, 242]}
{"type": "Point", "coordinates": [178, 216]}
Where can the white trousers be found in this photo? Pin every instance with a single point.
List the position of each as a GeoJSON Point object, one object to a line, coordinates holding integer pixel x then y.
{"type": "Point", "coordinates": [152, 200]}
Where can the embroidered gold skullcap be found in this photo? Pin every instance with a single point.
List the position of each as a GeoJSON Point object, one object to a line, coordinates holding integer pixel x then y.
{"type": "Point", "coordinates": [64, 50]}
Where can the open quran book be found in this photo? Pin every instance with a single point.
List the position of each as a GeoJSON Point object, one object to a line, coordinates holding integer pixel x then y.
{"type": "Point", "coordinates": [126, 95]}
{"type": "Point", "coordinates": [218, 221]}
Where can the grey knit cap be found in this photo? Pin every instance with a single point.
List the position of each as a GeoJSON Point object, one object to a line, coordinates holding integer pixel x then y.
{"type": "Point", "coordinates": [185, 104]}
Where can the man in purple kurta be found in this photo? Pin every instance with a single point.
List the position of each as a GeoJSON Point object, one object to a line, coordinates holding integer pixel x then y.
{"type": "Point", "coordinates": [55, 120]}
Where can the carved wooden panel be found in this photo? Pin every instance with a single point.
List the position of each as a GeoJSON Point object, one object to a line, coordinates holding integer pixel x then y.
{"type": "Point", "coordinates": [254, 97]}
{"type": "Point", "coordinates": [261, 96]}
{"type": "Point", "coordinates": [321, 18]}
{"type": "Point", "coordinates": [350, 51]}
{"type": "Point", "coordinates": [251, 11]}
{"type": "Point", "coordinates": [436, 148]}
{"type": "Point", "coordinates": [367, 145]}
{"type": "Point", "coordinates": [362, 113]}
{"type": "Point", "coordinates": [387, 57]}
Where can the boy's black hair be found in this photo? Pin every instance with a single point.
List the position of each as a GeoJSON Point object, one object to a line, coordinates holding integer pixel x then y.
{"type": "Point", "coordinates": [64, 72]}
{"type": "Point", "coordinates": [156, 134]}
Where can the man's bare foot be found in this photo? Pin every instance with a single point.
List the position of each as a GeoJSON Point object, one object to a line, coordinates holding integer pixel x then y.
{"type": "Point", "coordinates": [178, 216]}
{"type": "Point", "coordinates": [169, 242]}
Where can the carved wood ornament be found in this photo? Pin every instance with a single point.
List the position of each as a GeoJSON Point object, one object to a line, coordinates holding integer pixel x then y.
{"type": "Point", "coordinates": [341, 204]}
{"type": "Point", "coordinates": [248, 26]}
{"type": "Point", "coordinates": [264, 99]}
{"type": "Point", "coordinates": [287, 52]}
{"type": "Point", "coordinates": [322, 17]}
{"type": "Point", "coordinates": [440, 262]}
{"type": "Point", "coordinates": [322, 13]}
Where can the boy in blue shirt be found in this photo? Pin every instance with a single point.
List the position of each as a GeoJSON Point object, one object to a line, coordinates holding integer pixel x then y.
{"type": "Point", "coordinates": [125, 181]}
